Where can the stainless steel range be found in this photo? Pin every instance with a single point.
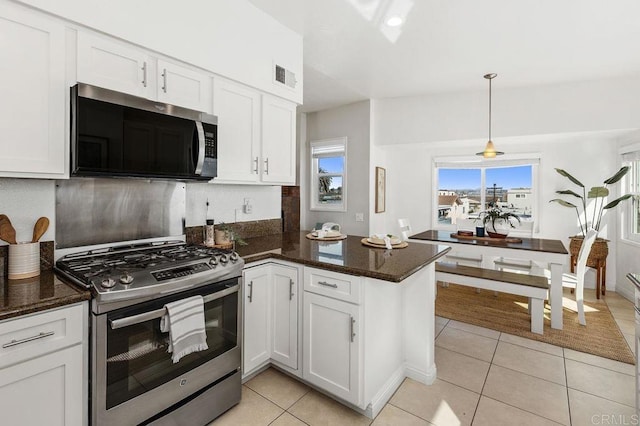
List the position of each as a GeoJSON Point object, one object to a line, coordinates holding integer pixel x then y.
{"type": "Point", "coordinates": [133, 379]}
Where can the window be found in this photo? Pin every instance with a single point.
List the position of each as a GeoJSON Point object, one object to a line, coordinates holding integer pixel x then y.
{"type": "Point", "coordinates": [329, 174]}
{"type": "Point", "coordinates": [632, 186]}
{"type": "Point", "coordinates": [466, 187]}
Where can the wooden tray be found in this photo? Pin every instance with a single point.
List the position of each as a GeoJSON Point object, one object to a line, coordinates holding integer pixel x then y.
{"type": "Point", "coordinates": [393, 246]}
{"type": "Point", "coordinates": [338, 238]}
{"type": "Point", "coordinates": [488, 239]}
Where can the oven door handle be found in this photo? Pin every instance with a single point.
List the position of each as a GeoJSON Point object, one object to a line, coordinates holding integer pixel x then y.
{"type": "Point", "coordinates": [158, 313]}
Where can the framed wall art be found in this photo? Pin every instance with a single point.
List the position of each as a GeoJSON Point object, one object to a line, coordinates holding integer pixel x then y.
{"type": "Point", "coordinates": [381, 188]}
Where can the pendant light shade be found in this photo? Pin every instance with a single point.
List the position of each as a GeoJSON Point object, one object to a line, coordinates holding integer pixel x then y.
{"type": "Point", "coordinates": [490, 149]}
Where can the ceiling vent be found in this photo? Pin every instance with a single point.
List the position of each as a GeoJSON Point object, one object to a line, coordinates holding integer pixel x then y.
{"type": "Point", "coordinates": [284, 76]}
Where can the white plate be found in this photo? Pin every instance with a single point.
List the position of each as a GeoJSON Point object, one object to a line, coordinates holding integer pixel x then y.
{"type": "Point", "coordinates": [380, 241]}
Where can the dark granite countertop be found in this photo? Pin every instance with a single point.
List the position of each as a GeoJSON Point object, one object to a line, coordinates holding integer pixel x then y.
{"type": "Point", "coordinates": [46, 291]}
{"type": "Point", "coordinates": [348, 256]}
{"type": "Point", "coordinates": [532, 244]}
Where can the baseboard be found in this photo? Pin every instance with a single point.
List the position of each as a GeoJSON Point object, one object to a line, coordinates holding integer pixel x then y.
{"type": "Point", "coordinates": [419, 375]}
{"type": "Point", "coordinates": [385, 393]}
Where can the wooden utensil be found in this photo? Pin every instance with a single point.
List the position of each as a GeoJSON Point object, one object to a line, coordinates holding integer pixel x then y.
{"type": "Point", "coordinates": [7, 231]}
{"type": "Point", "coordinates": [40, 228]}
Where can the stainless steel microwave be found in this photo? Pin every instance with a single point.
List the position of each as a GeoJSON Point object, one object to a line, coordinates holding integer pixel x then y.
{"type": "Point", "coordinates": [119, 135]}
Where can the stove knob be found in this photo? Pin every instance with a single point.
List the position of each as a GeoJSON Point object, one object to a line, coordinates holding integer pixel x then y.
{"type": "Point", "coordinates": [224, 259]}
{"type": "Point", "coordinates": [213, 262]}
{"type": "Point", "coordinates": [126, 278]}
{"type": "Point", "coordinates": [233, 257]}
{"type": "Point", "coordinates": [108, 283]}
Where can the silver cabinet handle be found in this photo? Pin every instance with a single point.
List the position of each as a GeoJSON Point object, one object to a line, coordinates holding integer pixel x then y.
{"type": "Point", "coordinates": [326, 284]}
{"type": "Point", "coordinates": [164, 80]}
{"type": "Point", "coordinates": [266, 166]}
{"type": "Point", "coordinates": [256, 169]}
{"type": "Point", "coordinates": [144, 74]}
{"type": "Point", "coordinates": [40, 335]}
{"type": "Point", "coordinates": [353, 333]}
{"type": "Point", "coordinates": [250, 291]}
{"type": "Point", "coordinates": [290, 289]}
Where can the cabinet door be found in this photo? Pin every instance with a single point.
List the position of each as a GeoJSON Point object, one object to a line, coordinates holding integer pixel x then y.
{"type": "Point", "coordinates": [285, 316]}
{"type": "Point", "coordinates": [332, 346]}
{"type": "Point", "coordinates": [278, 141]}
{"type": "Point", "coordinates": [32, 109]}
{"type": "Point", "coordinates": [115, 66]}
{"type": "Point", "coordinates": [238, 111]}
{"type": "Point", "coordinates": [257, 321]}
{"type": "Point", "coordinates": [53, 382]}
{"type": "Point", "coordinates": [184, 87]}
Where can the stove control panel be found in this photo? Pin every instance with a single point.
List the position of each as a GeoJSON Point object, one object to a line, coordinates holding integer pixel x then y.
{"type": "Point", "coordinates": [181, 271]}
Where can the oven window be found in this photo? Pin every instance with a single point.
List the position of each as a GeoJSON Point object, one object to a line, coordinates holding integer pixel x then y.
{"type": "Point", "coordinates": [137, 359]}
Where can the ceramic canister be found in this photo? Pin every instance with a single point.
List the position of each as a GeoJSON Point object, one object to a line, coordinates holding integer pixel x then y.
{"type": "Point", "coordinates": [24, 260]}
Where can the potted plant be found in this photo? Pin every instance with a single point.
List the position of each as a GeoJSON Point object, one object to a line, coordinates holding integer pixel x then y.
{"type": "Point", "coordinates": [598, 193]}
{"type": "Point", "coordinates": [497, 222]}
{"type": "Point", "coordinates": [599, 250]}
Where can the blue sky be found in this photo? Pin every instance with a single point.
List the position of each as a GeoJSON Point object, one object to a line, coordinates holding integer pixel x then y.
{"type": "Point", "coordinates": [505, 177]}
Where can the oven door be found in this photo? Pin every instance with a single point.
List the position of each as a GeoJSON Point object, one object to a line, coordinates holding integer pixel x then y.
{"type": "Point", "coordinates": [133, 376]}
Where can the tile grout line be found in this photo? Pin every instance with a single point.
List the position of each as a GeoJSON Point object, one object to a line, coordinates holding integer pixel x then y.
{"type": "Point", "coordinates": [566, 382]}
{"type": "Point", "coordinates": [485, 379]}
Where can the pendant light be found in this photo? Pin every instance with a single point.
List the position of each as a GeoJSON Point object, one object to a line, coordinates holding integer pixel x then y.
{"type": "Point", "coordinates": [490, 150]}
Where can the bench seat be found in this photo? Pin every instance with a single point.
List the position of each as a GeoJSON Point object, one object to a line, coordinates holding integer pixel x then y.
{"type": "Point", "coordinates": [535, 288]}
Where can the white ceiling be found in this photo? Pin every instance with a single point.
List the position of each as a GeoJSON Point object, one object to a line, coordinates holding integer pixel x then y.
{"type": "Point", "coordinates": [448, 45]}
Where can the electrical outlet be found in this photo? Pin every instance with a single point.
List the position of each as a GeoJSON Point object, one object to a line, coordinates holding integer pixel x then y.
{"type": "Point", "coordinates": [247, 208]}
{"type": "Point", "coordinates": [359, 217]}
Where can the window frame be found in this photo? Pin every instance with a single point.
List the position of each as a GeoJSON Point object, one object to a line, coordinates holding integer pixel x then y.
{"type": "Point", "coordinates": [632, 154]}
{"type": "Point", "coordinates": [315, 175]}
{"type": "Point", "coordinates": [469, 162]}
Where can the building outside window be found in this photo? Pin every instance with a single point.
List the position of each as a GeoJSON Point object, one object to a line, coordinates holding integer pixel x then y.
{"type": "Point", "coordinates": [631, 230]}
{"type": "Point", "coordinates": [465, 188]}
{"type": "Point", "coordinates": [329, 174]}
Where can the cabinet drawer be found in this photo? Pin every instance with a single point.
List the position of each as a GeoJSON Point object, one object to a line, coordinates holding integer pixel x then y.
{"type": "Point", "coordinates": [38, 334]}
{"type": "Point", "coordinates": [332, 284]}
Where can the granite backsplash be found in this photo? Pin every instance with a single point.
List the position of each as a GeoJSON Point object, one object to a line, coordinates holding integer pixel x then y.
{"type": "Point", "coordinates": [244, 230]}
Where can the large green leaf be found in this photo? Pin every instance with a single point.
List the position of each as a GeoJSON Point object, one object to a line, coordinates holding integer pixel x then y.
{"type": "Point", "coordinates": [617, 201]}
{"type": "Point", "coordinates": [562, 202]}
{"type": "Point", "coordinates": [613, 179]}
{"type": "Point", "coordinates": [571, 178]}
{"type": "Point", "coordinates": [597, 191]}
{"type": "Point", "coordinates": [569, 192]}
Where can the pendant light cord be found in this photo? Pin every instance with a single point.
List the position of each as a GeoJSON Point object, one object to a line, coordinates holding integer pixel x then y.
{"type": "Point", "coordinates": [490, 108]}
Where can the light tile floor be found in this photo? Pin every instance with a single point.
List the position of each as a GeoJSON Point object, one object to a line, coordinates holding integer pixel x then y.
{"type": "Point", "coordinates": [484, 378]}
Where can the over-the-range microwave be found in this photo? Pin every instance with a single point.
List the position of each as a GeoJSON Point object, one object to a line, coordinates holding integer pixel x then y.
{"type": "Point", "coordinates": [118, 135]}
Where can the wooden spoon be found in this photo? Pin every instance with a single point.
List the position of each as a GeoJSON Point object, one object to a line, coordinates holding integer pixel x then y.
{"type": "Point", "coordinates": [40, 228]}
{"type": "Point", "coordinates": [7, 232]}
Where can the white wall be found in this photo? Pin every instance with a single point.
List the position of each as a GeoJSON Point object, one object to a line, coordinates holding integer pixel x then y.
{"type": "Point", "coordinates": [353, 122]}
{"type": "Point", "coordinates": [225, 203]}
{"type": "Point", "coordinates": [24, 201]}
{"type": "Point", "coordinates": [231, 38]}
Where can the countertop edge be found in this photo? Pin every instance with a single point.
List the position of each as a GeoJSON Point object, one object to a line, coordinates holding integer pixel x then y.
{"type": "Point", "coordinates": [345, 270]}
{"type": "Point", "coordinates": [46, 305]}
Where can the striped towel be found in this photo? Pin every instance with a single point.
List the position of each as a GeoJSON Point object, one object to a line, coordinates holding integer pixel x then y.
{"type": "Point", "coordinates": [184, 321]}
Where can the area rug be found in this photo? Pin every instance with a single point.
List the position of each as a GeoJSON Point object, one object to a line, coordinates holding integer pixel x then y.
{"type": "Point", "coordinates": [508, 314]}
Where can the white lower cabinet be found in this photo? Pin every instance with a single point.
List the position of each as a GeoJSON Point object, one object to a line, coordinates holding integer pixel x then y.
{"type": "Point", "coordinates": [270, 311]}
{"type": "Point", "coordinates": [332, 346]}
{"type": "Point", "coordinates": [42, 362]}
{"type": "Point", "coordinates": [256, 345]}
{"type": "Point", "coordinates": [285, 316]}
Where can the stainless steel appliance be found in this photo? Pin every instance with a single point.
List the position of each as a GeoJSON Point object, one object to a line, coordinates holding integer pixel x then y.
{"type": "Point", "coordinates": [635, 280]}
{"type": "Point", "coordinates": [115, 134]}
{"type": "Point", "coordinates": [133, 379]}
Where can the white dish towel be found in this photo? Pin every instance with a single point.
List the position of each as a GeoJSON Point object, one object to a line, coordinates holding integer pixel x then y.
{"type": "Point", "coordinates": [184, 321]}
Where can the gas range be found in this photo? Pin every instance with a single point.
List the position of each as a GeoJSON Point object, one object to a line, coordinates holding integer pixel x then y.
{"type": "Point", "coordinates": [133, 273]}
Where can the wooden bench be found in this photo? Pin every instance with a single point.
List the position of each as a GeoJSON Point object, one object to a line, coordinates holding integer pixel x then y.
{"type": "Point", "coordinates": [533, 287]}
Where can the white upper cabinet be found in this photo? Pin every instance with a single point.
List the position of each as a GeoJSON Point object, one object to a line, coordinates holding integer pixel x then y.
{"type": "Point", "coordinates": [178, 85]}
{"type": "Point", "coordinates": [238, 111]}
{"type": "Point", "coordinates": [110, 64]}
{"type": "Point", "coordinates": [278, 141]}
{"type": "Point", "coordinates": [256, 134]}
{"type": "Point", "coordinates": [32, 87]}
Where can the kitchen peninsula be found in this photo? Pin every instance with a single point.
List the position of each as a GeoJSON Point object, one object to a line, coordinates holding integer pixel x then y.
{"type": "Point", "coordinates": [362, 317]}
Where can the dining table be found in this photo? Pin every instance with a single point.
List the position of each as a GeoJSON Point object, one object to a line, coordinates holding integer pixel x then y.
{"type": "Point", "coordinates": [548, 252]}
